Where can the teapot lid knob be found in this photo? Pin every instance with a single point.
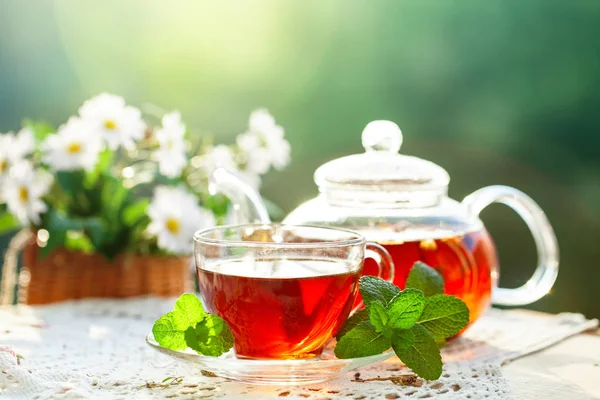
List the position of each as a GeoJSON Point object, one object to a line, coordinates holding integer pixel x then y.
{"type": "Point", "coordinates": [382, 136]}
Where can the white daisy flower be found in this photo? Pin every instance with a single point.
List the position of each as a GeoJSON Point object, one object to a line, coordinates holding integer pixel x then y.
{"type": "Point", "coordinates": [278, 147]}
{"type": "Point", "coordinates": [118, 124]}
{"type": "Point", "coordinates": [5, 159]}
{"type": "Point", "coordinates": [22, 144]}
{"type": "Point", "coordinates": [218, 156]}
{"type": "Point", "coordinates": [171, 152]}
{"type": "Point", "coordinates": [256, 157]}
{"type": "Point", "coordinates": [175, 215]}
{"type": "Point", "coordinates": [14, 148]}
{"type": "Point", "coordinates": [172, 124]}
{"type": "Point", "coordinates": [264, 144]}
{"type": "Point", "coordinates": [23, 189]}
{"type": "Point", "coordinates": [261, 120]}
{"type": "Point", "coordinates": [72, 147]}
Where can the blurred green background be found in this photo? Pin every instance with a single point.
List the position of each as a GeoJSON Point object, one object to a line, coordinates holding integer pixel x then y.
{"type": "Point", "coordinates": [500, 92]}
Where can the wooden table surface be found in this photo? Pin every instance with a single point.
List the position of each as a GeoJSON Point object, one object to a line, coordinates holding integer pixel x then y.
{"type": "Point", "coordinates": [567, 370]}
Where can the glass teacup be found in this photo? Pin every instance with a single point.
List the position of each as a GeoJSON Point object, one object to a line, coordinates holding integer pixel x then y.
{"type": "Point", "coordinates": [284, 290]}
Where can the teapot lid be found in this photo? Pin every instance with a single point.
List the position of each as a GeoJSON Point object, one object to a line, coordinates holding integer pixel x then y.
{"type": "Point", "coordinates": [381, 176]}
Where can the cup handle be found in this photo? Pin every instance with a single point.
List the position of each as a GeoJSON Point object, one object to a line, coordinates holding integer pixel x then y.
{"type": "Point", "coordinates": [545, 240]}
{"type": "Point", "coordinates": [384, 263]}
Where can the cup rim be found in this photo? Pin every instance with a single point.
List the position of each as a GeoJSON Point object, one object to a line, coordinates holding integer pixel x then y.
{"type": "Point", "coordinates": [356, 239]}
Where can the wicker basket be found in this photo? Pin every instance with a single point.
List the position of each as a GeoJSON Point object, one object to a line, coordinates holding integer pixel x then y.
{"type": "Point", "coordinates": [68, 275]}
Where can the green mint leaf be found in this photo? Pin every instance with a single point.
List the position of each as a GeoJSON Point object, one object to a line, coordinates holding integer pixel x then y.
{"type": "Point", "coordinates": [167, 334]}
{"type": "Point", "coordinates": [353, 321]}
{"type": "Point", "coordinates": [378, 316]}
{"type": "Point", "coordinates": [426, 279]}
{"type": "Point", "coordinates": [376, 289]}
{"type": "Point", "coordinates": [423, 356]}
{"type": "Point", "coordinates": [362, 341]}
{"type": "Point", "coordinates": [187, 312]}
{"type": "Point", "coordinates": [405, 309]}
{"type": "Point", "coordinates": [402, 339]}
{"type": "Point", "coordinates": [212, 337]}
{"type": "Point", "coordinates": [444, 316]}
{"type": "Point", "coordinates": [188, 325]}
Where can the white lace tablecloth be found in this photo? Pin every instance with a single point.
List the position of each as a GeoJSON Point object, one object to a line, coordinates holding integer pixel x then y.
{"type": "Point", "coordinates": [95, 349]}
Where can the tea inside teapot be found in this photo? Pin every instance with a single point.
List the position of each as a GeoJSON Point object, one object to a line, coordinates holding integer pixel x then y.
{"type": "Point", "coordinates": [466, 260]}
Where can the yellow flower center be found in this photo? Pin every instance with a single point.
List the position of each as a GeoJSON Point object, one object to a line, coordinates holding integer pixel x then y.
{"type": "Point", "coordinates": [23, 194]}
{"type": "Point", "coordinates": [173, 226]}
{"type": "Point", "coordinates": [170, 144]}
{"type": "Point", "coordinates": [3, 165]}
{"type": "Point", "coordinates": [74, 148]}
{"type": "Point", "coordinates": [110, 124]}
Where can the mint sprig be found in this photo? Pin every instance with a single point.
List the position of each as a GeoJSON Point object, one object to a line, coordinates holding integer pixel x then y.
{"type": "Point", "coordinates": [414, 322]}
{"type": "Point", "coordinates": [188, 325]}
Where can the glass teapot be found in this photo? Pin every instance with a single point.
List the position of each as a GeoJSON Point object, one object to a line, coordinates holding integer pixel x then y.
{"type": "Point", "coordinates": [401, 203]}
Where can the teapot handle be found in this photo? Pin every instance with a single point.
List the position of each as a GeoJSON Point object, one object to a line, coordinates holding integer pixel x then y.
{"type": "Point", "coordinates": [545, 240]}
{"type": "Point", "coordinates": [245, 199]}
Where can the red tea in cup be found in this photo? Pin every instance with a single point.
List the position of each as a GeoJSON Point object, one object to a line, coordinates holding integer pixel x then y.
{"type": "Point", "coordinates": [290, 314]}
{"type": "Point", "coordinates": [284, 290]}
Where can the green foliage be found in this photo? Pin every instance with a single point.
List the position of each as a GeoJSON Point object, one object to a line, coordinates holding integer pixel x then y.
{"type": "Point", "coordinates": [135, 213]}
{"type": "Point", "coordinates": [58, 224]}
{"type": "Point", "coordinates": [8, 223]}
{"type": "Point", "coordinates": [98, 212]}
{"type": "Point", "coordinates": [40, 129]}
{"type": "Point", "coordinates": [104, 210]}
{"type": "Point", "coordinates": [218, 204]}
{"type": "Point", "coordinates": [413, 325]}
{"type": "Point", "coordinates": [78, 241]}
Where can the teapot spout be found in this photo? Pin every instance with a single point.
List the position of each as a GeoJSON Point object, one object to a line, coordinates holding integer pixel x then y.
{"type": "Point", "coordinates": [246, 201]}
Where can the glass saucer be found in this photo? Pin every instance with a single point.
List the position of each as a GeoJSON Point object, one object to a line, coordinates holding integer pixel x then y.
{"type": "Point", "coordinates": [274, 372]}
